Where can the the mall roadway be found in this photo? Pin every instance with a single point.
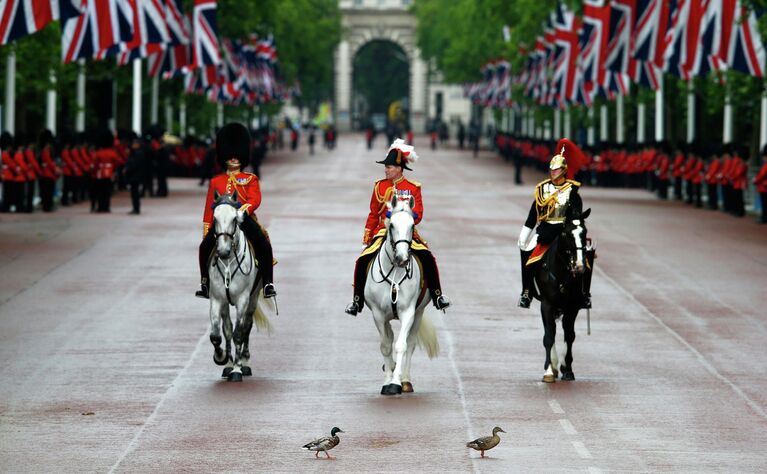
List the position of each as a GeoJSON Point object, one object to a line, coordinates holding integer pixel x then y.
{"type": "Point", "coordinates": [105, 363]}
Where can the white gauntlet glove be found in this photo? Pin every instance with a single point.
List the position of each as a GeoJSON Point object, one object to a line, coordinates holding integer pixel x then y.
{"type": "Point", "coordinates": [524, 236]}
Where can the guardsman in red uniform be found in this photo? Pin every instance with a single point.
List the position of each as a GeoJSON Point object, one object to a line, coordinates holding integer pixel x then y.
{"type": "Point", "coordinates": [49, 171]}
{"type": "Point", "coordinates": [662, 171]}
{"type": "Point", "coordinates": [677, 171]}
{"type": "Point", "coordinates": [105, 160]}
{"type": "Point", "coordinates": [760, 181]}
{"type": "Point", "coordinates": [739, 180]}
{"type": "Point", "coordinates": [13, 174]}
{"type": "Point", "coordinates": [233, 154]}
{"type": "Point", "coordinates": [397, 160]}
{"type": "Point", "coordinates": [712, 180]}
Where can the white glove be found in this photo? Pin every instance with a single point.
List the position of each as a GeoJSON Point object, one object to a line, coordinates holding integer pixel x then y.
{"type": "Point", "coordinates": [524, 236]}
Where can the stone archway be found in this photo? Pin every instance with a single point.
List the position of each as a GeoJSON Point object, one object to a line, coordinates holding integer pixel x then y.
{"type": "Point", "coordinates": [390, 21]}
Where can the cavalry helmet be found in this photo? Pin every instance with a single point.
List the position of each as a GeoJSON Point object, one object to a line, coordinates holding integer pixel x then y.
{"type": "Point", "coordinates": [233, 141]}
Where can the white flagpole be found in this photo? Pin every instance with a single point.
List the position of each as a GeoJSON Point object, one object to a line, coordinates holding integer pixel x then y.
{"type": "Point", "coordinates": [727, 132]}
{"type": "Point", "coordinates": [10, 93]}
{"type": "Point", "coordinates": [619, 122]}
{"type": "Point", "coordinates": [590, 139]}
{"type": "Point", "coordinates": [659, 113]}
{"type": "Point", "coordinates": [168, 116]}
{"type": "Point", "coordinates": [50, 103]}
{"type": "Point", "coordinates": [136, 115]}
{"type": "Point", "coordinates": [219, 115]}
{"type": "Point", "coordinates": [603, 131]}
{"type": "Point", "coordinates": [182, 116]}
{"type": "Point", "coordinates": [690, 111]}
{"type": "Point", "coordinates": [568, 125]}
{"type": "Point", "coordinates": [80, 99]}
{"type": "Point", "coordinates": [557, 124]}
{"type": "Point", "coordinates": [154, 110]}
{"type": "Point", "coordinates": [641, 122]}
{"type": "Point", "coordinates": [763, 123]}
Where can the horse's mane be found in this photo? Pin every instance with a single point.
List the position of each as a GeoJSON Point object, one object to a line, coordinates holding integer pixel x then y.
{"type": "Point", "coordinates": [226, 199]}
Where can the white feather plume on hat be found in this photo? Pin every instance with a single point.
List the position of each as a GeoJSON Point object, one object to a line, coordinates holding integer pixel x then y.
{"type": "Point", "coordinates": [408, 151]}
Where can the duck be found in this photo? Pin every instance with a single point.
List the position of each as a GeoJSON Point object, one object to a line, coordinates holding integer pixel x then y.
{"type": "Point", "coordinates": [325, 443]}
{"type": "Point", "coordinates": [486, 442]}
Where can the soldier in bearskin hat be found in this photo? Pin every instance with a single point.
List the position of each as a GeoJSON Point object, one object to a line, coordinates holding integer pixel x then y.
{"type": "Point", "coordinates": [233, 154]}
{"type": "Point", "coordinates": [399, 156]}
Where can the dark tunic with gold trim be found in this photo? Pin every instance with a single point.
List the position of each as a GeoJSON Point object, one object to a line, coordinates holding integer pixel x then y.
{"type": "Point", "coordinates": [248, 193]}
{"type": "Point", "coordinates": [553, 203]}
{"type": "Point", "coordinates": [382, 193]}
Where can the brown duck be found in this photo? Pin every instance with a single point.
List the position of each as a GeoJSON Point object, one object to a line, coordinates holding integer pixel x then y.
{"type": "Point", "coordinates": [325, 444]}
{"type": "Point", "coordinates": [486, 442]}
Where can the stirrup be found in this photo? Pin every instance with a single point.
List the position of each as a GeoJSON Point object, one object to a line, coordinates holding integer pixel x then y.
{"type": "Point", "coordinates": [524, 300]}
{"type": "Point", "coordinates": [586, 302]}
{"type": "Point", "coordinates": [443, 302]}
{"type": "Point", "coordinates": [352, 309]}
{"type": "Point", "coordinates": [202, 292]}
{"type": "Point", "coordinates": [269, 291]}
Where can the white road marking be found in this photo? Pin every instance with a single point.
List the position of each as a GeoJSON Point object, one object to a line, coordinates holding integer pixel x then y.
{"type": "Point", "coordinates": [556, 407]}
{"type": "Point", "coordinates": [171, 390]}
{"type": "Point", "coordinates": [581, 449]}
{"type": "Point", "coordinates": [568, 427]}
{"type": "Point", "coordinates": [461, 394]}
{"type": "Point", "coordinates": [703, 361]}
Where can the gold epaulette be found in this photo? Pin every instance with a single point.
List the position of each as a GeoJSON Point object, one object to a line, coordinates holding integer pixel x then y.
{"type": "Point", "coordinates": [573, 182]}
{"type": "Point", "coordinates": [379, 198]}
{"type": "Point", "coordinates": [414, 183]}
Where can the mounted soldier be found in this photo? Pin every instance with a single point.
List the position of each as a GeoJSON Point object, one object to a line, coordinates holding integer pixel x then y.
{"type": "Point", "coordinates": [397, 160]}
{"type": "Point", "coordinates": [556, 199]}
{"type": "Point", "coordinates": [233, 154]}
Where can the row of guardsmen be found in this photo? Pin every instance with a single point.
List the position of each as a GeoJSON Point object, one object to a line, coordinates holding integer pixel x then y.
{"type": "Point", "coordinates": [679, 173]}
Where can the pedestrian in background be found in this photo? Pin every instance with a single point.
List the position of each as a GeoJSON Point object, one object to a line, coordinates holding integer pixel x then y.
{"type": "Point", "coordinates": [135, 168]}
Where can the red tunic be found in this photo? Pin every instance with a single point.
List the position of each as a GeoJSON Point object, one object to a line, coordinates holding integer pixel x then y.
{"type": "Point", "coordinates": [382, 193]}
{"type": "Point", "coordinates": [104, 162]}
{"type": "Point", "coordinates": [248, 193]}
{"type": "Point", "coordinates": [12, 172]}
{"type": "Point", "coordinates": [25, 174]}
{"type": "Point", "coordinates": [34, 167]}
{"type": "Point", "coordinates": [712, 172]}
{"type": "Point", "coordinates": [761, 181]}
{"type": "Point", "coordinates": [48, 166]}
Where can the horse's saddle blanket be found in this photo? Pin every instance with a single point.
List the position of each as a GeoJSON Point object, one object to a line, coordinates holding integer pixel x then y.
{"type": "Point", "coordinates": [379, 239]}
{"type": "Point", "coordinates": [538, 252]}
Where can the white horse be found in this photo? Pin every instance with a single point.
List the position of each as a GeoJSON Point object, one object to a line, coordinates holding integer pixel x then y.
{"type": "Point", "coordinates": [233, 274]}
{"type": "Point", "coordinates": [392, 291]}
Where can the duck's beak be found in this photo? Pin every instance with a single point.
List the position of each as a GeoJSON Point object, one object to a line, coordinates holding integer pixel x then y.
{"type": "Point", "coordinates": [501, 431]}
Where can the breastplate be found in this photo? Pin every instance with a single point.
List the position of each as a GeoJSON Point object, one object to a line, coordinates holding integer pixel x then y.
{"type": "Point", "coordinates": [553, 202]}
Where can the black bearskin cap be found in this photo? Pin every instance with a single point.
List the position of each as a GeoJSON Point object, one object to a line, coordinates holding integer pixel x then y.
{"type": "Point", "coordinates": [6, 141]}
{"type": "Point", "coordinates": [45, 138]}
{"type": "Point", "coordinates": [233, 141]}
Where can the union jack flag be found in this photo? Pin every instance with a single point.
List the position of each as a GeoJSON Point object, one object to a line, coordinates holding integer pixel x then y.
{"type": "Point", "coordinates": [620, 44]}
{"type": "Point", "coordinates": [24, 17]}
{"type": "Point", "coordinates": [746, 51]}
{"type": "Point", "coordinates": [650, 26]}
{"type": "Point", "coordinates": [205, 50]}
{"type": "Point", "coordinates": [566, 26]}
{"type": "Point", "coordinates": [89, 27]}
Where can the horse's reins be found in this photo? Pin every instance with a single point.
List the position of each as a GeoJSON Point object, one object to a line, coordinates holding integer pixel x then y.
{"type": "Point", "coordinates": [229, 273]}
{"type": "Point", "coordinates": [392, 281]}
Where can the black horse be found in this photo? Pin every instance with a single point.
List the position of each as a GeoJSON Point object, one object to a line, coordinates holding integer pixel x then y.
{"type": "Point", "coordinates": [559, 284]}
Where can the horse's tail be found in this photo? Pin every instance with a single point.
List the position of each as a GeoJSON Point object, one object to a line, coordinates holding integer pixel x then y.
{"type": "Point", "coordinates": [427, 336]}
{"type": "Point", "coordinates": [259, 317]}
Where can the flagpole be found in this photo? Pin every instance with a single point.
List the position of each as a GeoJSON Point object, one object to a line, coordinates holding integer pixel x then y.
{"type": "Point", "coordinates": [168, 115]}
{"type": "Point", "coordinates": [619, 122]}
{"type": "Point", "coordinates": [568, 126]}
{"type": "Point", "coordinates": [659, 112]}
{"type": "Point", "coordinates": [603, 132]}
{"type": "Point", "coordinates": [136, 115]}
{"type": "Point", "coordinates": [523, 120]}
{"type": "Point", "coordinates": [590, 131]}
{"type": "Point", "coordinates": [641, 112]}
{"type": "Point", "coordinates": [763, 124]}
{"type": "Point", "coordinates": [690, 111]}
{"type": "Point", "coordinates": [727, 132]}
{"type": "Point", "coordinates": [182, 116]}
{"type": "Point", "coordinates": [113, 119]}
{"type": "Point", "coordinates": [557, 124]}
{"type": "Point", "coordinates": [50, 103]}
{"type": "Point", "coordinates": [10, 92]}
{"type": "Point", "coordinates": [219, 115]}
{"type": "Point", "coordinates": [80, 99]}
{"type": "Point", "coordinates": [154, 110]}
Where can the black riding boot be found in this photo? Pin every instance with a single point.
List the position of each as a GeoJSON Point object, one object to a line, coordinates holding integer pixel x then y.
{"type": "Point", "coordinates": [590, 255]}
{"type": "Point", "coordinates": [206, 248]}
{"type": "Point", "coordinates": [527, 280]}
{"type": "Point", "coordinates": [431, 275]}
{"type": "Point", "coordinates": [360, 276]}
{"type": "Point", "coordinates": [263, 248]}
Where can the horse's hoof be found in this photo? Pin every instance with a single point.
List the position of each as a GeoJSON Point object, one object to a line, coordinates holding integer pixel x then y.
{"type": "Point", "coordinates": [223, 361]}
{"type": "Point", "coordinates": [407, 387]}
{"type": "Point", "coordinates": [226, 372]}
{"type": "Point", "coordinates": [549, 378]}
{"type": "Point", "coordinates": [568, 376]}
{"type": "Point", "coordinates": [247, 372]}
{"type": "Point", "coordinates": [391, 389]}
{"type": "Point", "coordinates": [235, 377]}
{"type": "Point", "coordinates": [556, 372]}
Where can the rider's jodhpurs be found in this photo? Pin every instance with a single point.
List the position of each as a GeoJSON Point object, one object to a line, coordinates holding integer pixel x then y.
{"type": "Point", "coordinates": [261, 246]}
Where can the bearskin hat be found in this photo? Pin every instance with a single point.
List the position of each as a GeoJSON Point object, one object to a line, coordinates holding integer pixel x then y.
{"type": "Point", "coordinates": [233, 141]}
{"type": "Point", "coordinates": [45, 138]}
{"type": "Point", "coordinates": [6, 141]}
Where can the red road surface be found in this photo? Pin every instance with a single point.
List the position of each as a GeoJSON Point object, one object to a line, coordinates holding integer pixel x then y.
{"type": "Point", "coordinates": [105, 363]}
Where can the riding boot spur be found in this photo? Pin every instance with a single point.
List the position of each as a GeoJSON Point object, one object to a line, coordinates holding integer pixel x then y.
{"type": "Point", "coordinates": [527, 281]}
{"type": "Point", "coordinates": [206, 249]}
{"type": "Point", "coordinates": [360, 277]}
{"type": "Point", "coordinates": [257, 237]}
{"type": "Point", "coordinates": [431, 275]}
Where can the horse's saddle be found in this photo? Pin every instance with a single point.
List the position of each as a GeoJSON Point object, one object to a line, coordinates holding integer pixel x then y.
{"type": "Point", "coordinates": [422, 284]}
{"type": "Point", "coordinates": [538, 253]}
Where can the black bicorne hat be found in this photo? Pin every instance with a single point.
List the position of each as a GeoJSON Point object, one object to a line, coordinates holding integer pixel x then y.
{"type": "Point", "coordinates": [233, 141]}
{"type": "Point", "coordinates": [400, 154]}
{"type": "Point", "coordinates": [395, 158]}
